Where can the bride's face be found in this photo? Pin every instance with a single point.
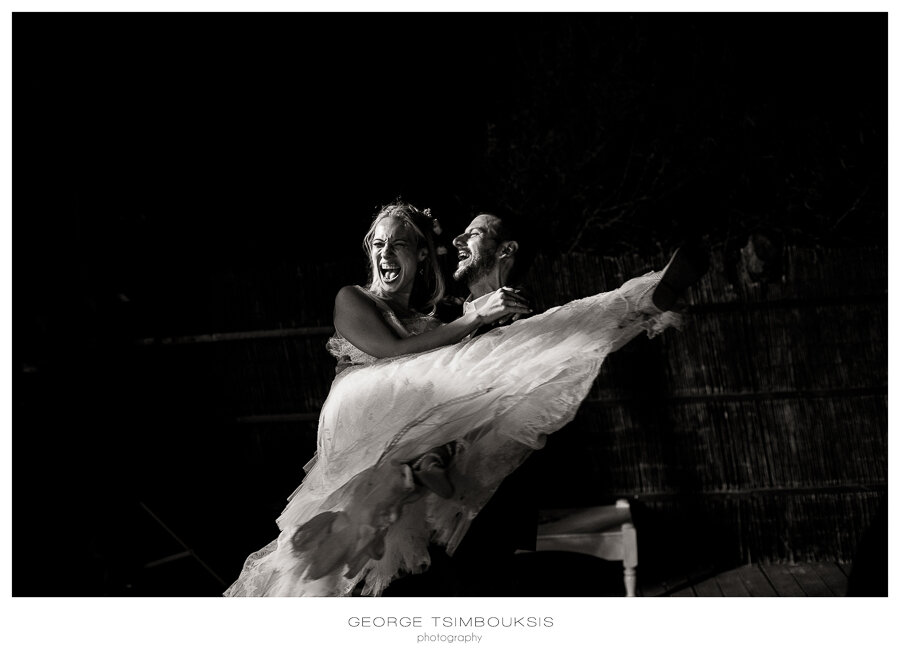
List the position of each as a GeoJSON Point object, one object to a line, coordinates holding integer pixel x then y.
{"type": "Point", "coordinates": [395, 255]}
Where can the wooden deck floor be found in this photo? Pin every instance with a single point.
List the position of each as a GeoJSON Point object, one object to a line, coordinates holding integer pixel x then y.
{"type": "Point", "coordinates": [760, 580]}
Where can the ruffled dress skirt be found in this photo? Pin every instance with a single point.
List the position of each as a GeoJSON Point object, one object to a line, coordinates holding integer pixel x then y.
{"type": "Point", "coordinates": [354, 522]}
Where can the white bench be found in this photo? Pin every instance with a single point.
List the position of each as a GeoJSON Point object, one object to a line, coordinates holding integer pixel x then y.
{"type": "Point", "coordinates": [606, 532]}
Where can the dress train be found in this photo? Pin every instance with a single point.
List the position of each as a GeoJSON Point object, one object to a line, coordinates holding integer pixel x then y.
{"type": "Point", "coordinates": [358, 520]}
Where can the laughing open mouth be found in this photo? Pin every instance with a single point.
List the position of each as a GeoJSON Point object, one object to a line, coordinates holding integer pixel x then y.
{"type": "Point", "coordinates": [389, 272]}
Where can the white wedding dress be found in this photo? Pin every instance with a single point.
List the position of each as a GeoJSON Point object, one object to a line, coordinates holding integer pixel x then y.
{"type": "Point", "coordinates": [355, 520]}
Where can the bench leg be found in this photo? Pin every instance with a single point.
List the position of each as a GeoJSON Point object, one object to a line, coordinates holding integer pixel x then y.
{"type": "Point", "coordinates": [630, 559]}
{"type": "Point", "coordinates": [630, 582]}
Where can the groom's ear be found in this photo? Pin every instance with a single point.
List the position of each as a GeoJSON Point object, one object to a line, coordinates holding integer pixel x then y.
{"type": "Point", "coordinates": [423, 254]}
{"type": "Point", "coordinates": [508, 248]}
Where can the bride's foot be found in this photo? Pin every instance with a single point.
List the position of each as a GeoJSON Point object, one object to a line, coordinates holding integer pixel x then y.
{"type": "Point", "coordinates": [687, 266]}
{"type": "Point", "coordinates": [430, 471]}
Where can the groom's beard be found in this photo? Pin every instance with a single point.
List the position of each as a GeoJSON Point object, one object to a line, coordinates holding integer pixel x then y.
{"type": "Point", "coordinates": [475, 268]}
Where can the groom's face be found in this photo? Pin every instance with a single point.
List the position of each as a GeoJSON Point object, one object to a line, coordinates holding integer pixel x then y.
{"type": "Point", "coordinates": [477, 249]}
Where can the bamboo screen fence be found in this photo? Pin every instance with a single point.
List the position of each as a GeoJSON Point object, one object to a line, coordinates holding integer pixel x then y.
{"type": "Point", "coordinates": [761, 426]}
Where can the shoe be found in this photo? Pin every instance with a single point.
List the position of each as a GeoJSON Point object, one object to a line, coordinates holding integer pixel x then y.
{"type": "Point", "coordinates": [430, 471]}
{"type": "Point", "coordinates": [687, 266]}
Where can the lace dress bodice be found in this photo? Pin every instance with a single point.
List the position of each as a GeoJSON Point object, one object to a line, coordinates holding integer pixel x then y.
{"type": "Point", "coordinates": [349, 356]}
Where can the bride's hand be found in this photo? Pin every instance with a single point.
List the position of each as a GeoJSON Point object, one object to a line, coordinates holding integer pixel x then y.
{"type": "Point", "coordinates": [501, 303]}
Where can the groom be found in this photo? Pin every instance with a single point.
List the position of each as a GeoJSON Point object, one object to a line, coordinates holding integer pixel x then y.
{"type": "Point", "coordinates": [492, 254]}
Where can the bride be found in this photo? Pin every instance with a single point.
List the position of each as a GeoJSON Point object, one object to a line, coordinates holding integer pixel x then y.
{"type": "Point", "coordinates": [407, 384]}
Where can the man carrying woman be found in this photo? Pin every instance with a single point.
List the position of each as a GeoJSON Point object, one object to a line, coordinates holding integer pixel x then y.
{"type": "Point", "coordinates": [408, 385]}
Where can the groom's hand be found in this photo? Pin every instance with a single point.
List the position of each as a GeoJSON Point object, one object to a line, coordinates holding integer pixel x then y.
{"type": "Point", "coordinates": [524, 298]}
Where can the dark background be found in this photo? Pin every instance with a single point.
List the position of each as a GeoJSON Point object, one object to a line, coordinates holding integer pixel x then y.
{"type": "Point", "coordinates": [156, 155]}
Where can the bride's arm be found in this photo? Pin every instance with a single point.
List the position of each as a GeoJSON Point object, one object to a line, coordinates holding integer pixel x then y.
{"type": "Point", "coordinates": [359, 321]}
